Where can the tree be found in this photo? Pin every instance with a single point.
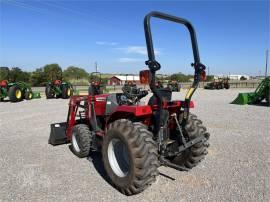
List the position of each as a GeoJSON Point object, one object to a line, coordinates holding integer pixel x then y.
{"type": "Point", "coordinates": [209, 78]}
{"type": "Point", "coordinates": [52, 72]}
{"type": "Point", "coordinates": [242, 78]}
{"type": "Point", "coordinates": [16, 74]}
{"type": "Point", "coordinates": [4, 73]}
{"type": "Point", "coordinates": [75, 73]}
{"type": "Point", "coordinates": [180, 77]}
{"type": "Point", "coordinates": [38, 77]}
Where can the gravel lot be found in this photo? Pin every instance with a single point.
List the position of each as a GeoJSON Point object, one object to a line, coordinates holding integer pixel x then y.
{"type": "Point", "coordinates": [237, 167]}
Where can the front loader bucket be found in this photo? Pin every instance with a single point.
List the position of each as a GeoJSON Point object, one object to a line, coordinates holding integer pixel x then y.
{"type": "Point", "coordinates": [36, 95]}
{"type": "Point", "coordinates": [58, 134]}
{"type": "Point", "coordinates": [243, 98]}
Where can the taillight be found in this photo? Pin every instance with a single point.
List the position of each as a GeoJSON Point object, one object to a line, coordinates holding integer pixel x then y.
{"type": "Point", "coordinates": [203, 75]}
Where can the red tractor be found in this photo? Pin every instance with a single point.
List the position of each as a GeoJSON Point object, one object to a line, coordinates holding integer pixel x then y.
{"type": "Point", "coordinates": [136, 139]}
{"type": "Point", "coordinates": [95, 87]}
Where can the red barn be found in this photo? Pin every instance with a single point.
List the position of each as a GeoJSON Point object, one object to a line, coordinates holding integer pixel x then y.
{"type": "Point", "coordinates": [120, 80]}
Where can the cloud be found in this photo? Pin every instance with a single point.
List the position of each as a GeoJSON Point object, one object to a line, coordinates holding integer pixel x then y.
{"type": "Point", "coordinates": [130, 60]}
{"type": "Point", "coordinates": [106, 43]}
{"type": "Point", "coordinates": [141, 50]}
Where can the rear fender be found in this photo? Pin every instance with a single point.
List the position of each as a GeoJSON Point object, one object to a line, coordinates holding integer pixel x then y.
{"type": "Point", "coordinates": [130, 112]}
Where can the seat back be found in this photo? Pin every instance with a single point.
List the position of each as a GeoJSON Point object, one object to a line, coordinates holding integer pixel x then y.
{"type": "Point", "coordinates": [166, 95]}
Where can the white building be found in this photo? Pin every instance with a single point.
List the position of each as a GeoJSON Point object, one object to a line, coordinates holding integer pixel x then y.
{"type": "Point", "coordinates": [232, 76]}
{"type": "Point", "coordinates": [237, 76]}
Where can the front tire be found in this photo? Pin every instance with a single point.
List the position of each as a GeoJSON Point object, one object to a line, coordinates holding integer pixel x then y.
{"type": "Point", "coordinates": [81, 140]}
{"type": "Point", "coordinates": [130, 156]}
{"type": "Point", "coordinates": [268, 97]}
{"type": "Point", "coordinates": [192, 156]}
{"type": "Point", "coordinates": [28, 95]}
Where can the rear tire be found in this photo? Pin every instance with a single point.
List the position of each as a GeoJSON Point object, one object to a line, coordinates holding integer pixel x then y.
{"type": "Point", "coordinates": [49, 92]}
{"type": "Point", "coordinates": [91, 90]}
{"type": "Point", "coordinates": [195, 154]}
{"type": "Point", "coordinates": [15, 94]}
{"type": "Point", "coordinates": [81, 140]}
{"type": "Point", "coordinates": [130, 156]}
{"type": "Point", "coordinates": [94, 90]}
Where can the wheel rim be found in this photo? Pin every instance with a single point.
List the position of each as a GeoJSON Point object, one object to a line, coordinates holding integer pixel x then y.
{"type": "Point", "coordinates": [30, 96]}
{"type": "Point", "coordinates": [68, 92]}
{"type": "Point", "coordinates": [118, 157]}
{"type": "Point", "coordinates": [75, 143]}
{"type": "Point", "coordinates": [18, 94]}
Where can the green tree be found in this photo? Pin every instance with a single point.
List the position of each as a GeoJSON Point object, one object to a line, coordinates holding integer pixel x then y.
{"type": "Point", "coordinates": [52, 72]}
{"type": "Point", "coordinates": [16, 74]}
{"type": "Point", "coordinates": [38, 77]}
{"type": "Point", "coordinates": [209, 78]}
{"type": "Point", "coordinates": [180, 77]}
{"type": "Point", "coordinates": [242, 78]}
{"type": "Point", "coordinates": [4, 73]}
{"type": "Point", "coordinates": [74, 73]}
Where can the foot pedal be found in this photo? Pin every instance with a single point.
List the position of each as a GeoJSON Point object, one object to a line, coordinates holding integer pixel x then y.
{"type": "Point", "coordinates": [168, 142]}
{"type": "Point", "coordinates": [58, 134]}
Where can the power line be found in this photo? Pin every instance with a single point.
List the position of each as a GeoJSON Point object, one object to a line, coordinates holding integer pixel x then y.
{"type": "Point", "coordinates": [45, 11]}
{"type": "Point", "coordinates": [77, 13]}
{"type": "Point", "coordinates": [25, 6]}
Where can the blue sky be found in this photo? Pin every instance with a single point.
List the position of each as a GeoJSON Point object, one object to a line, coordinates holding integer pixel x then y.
{"type": "Point", "coordinates": [232, 35]}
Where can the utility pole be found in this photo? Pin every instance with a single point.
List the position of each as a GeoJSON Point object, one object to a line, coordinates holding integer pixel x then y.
{"type": "Point", "coordinates": [266, 62]}
{"type": "Point", "coordinates": [96, 66]}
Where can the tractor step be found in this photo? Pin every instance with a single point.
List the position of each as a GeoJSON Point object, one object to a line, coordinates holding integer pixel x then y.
{"type": "Point", "coordinates": [58, 134]}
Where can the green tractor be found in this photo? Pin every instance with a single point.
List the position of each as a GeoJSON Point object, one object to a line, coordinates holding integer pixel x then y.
{"type": "Point", "coordinates": [218, 84]}
{"type": "Point", "coordinates": [174, 86]}
{"type": "Point", "coordinates": [261, 93]}
{"type": "Point", "coordinates": [58, 89]}
{"type": "Point", "coordinates": [16, 91]}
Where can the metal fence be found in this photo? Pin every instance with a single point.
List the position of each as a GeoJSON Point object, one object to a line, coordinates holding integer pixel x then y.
{"type": "Point", "coordinates": [233, 84]}
{"type": "Point", "coordinates": [185, 85]}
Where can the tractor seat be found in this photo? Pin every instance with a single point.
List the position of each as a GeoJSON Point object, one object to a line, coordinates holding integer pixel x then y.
{"type": "Point", "coordinates": [3, 83]}
{"type": "Point", "coordinates": [166, 94]}
{"type": "Point", "coordinates": [57, 82]}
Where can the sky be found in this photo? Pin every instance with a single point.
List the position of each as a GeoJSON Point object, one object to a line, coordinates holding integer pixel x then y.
{"type": "Point", "coordinates": [232, 35]}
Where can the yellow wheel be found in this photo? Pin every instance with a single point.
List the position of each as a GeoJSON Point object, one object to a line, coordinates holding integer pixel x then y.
{"type": "Point", "coordinates": [28, 95]}
{"type": "Point", "coordinates": [15, 94]}
{"type": "Point", "coordinates": [18, 94]}
{"type": "Point", "coordinates": [68, 92]}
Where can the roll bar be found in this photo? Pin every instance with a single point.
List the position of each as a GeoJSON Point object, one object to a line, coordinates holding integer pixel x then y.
{"type": "Point", "coordinates": [95, 73]}
{"type": "Point", "coordinates": [155, 66]}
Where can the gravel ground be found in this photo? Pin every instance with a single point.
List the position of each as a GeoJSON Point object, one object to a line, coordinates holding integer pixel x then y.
{"type": "Point", "coordinates": [236, 169]}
